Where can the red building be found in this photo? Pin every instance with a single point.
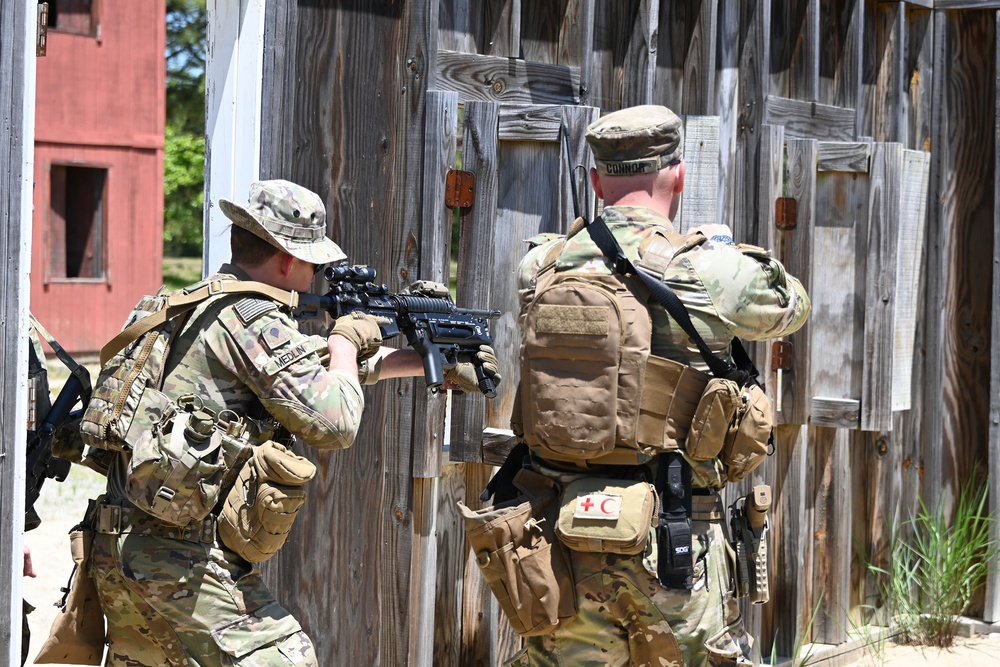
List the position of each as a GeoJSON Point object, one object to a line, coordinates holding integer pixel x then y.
{"type": "Point", "coordinates": [97, 233]}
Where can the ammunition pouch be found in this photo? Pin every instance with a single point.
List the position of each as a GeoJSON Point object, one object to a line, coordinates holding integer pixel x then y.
{"type": "Point", "coordinates": [183, 458]}
{"type": "Point", "coordinates": [261, 506]}
{"type": "Point", "coordinates": [523, 563]}
{"type": "Point", "coordinates": [77, 636]}
{"type": "Point", "coordinates": [607, 515]}
{"type": "Point", "coordinates": [751, 440]}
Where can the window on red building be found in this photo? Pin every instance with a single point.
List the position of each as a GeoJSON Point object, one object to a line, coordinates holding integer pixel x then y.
{"type": "Point", "coordinates": [77, 17]}
{"type": "Point", "coordinates": [76, 222]}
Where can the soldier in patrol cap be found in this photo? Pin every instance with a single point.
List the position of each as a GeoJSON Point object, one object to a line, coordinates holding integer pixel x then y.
{"type": "Point", "coordinates": [625, 616]}
{"type": "Point", "coordinates": [176, 599]}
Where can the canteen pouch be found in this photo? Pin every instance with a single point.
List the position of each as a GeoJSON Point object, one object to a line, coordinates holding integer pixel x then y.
{"type": "Point", "coordinates": [521, 560]}
{"type": "Point", "coordinates": [77, 635]}
{"type": "Point", "coordinates": [261, 507]}
{"type": "Point", "coordinates": [714, 419]}
{"type": "Point", "coordinates": [750, 440]}
{"type": "Point", "coordinates": [607, 515]}
{"type": "Point", "coordinates": [181, 460]}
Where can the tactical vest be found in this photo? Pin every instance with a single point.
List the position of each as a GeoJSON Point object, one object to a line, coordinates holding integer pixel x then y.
{"type": "Point", "coordinates": [591, 393]}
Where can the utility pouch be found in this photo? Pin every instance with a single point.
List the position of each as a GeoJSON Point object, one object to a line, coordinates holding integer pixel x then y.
{"type": "Point", "coordinates": [262, 505]}
{"type": "Point", "coordinates": [607, 515]}
{"type": "Point", "coordinates": [181, 464]}
{"type": "Point", "coordinates": [714, 419]}
{"type": "Point", "coordinates": [749, 442]}
{"type": "Point", "coordinates": [77, 635]}
{"type": "Point", "coordinates": [521, 560]}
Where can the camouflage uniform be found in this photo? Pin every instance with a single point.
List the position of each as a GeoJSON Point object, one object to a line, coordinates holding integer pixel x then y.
{"type": "Point", "coordinates": [175, 597]}
{"type": "Point", "coordinates": [625, 616]}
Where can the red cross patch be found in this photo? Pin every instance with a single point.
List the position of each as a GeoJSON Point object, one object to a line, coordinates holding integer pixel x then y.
{"type": "Point", "coordinates": [598, 506]}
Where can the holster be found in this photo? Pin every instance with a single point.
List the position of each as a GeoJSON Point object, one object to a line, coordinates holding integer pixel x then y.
{"type": "Point", "coordinates": [77, 636]}
{"type": "Point", "coordinates": [675, 557]}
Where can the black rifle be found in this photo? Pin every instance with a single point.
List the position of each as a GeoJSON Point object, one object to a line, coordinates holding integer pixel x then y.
{"type": "Point", "coordinates": [40, 464]}
{"type": "Point", "coordinates": [434, 326]}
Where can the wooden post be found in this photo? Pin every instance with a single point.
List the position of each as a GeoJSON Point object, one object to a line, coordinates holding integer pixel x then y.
{"type": "Point", "coordinates": [234, 75]}
{"type": "Point", "coordinates": [17, 132]}
{"type": "Point", "coordinates": [991, 612]}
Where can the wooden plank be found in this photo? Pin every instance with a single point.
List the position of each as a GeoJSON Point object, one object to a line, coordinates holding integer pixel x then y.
{"type": "Point", "coordinates": [880, 295]}
{"type": "Point", "coordinates": [917, 100]}
{"type": "Point", "coordinates": [502, 34]}
{"type": "Point", "coordinates": [623, 67]}
{"type": "Point", "coordinates": [964, 4]}
{"type": "Point", "coordinates": [458, 26]}
{"type": "Point", "coordinates": [810, 120]}
{"type": "Point", "coordinates": [991, 609]}
{"type": "Point", "coordinates": [753, 69]}
{"type": "Point", "coordinates": [497, 443]}
{"type": "Point", "coordinates": [831, 532]}
{"type": "Point", "coordinates": [795, 250]}
{"type": "Point", "coordinates": [794, 50]}
{"type": "Point", "coordinates": [790, 541]}
{"type": "Point", "coordinates": [912, 228]}
{"type": "Point", "coordinates": [771, 173]}
{"type": "Point", "coordinates": [841, 33]}
{"type": "Point", "coordinates": [480, 155]}
{"type": "Point", "coordinates": [836, 337]}
{"type": "Point", "coordinates": [685, 58]}
{"type": "Point", "coordinates": [885, 73]}
{"type": "Point", "coordinates": [575, 163]}
{"type": "Point", "coordinates": [843, 156]}
{"type": "Point", "coordinates": [726, 90]}
{"type": "Point", "coordinates": [530, 122]}
{"type": "Point", "coordinates": [17, 131]}
{"type": "Point", "coordinates": [441, 124]}
{"type": "Point", "coordinates": [558, 33]}
{"type": "Point", "coordinates": [492, 78]}
{"type": "Point", "coordinates": [699, 200]}
{"type": "Point", "coordinates": [835, 412]}
{"type": "Point", "coordinates": [423, 572]}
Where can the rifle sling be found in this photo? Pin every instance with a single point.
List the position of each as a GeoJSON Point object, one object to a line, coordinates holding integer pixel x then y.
{"type": "Point", "coordinates": [181, 302]}
{"type": "Point", "coordinates": [76, 369]}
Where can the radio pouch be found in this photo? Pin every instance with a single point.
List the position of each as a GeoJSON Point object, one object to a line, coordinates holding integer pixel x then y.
{"type": "Point", "coordinates": [521, 560]}
{"type": "Point", "coordinates": [607, 515]}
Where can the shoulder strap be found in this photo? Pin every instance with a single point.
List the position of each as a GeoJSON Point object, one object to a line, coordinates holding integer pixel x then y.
{"type": "Point", "coordinates": [181, 302]}
{"type": "Point", "coordinates": [622, 265]}
{"type": "Point", "coordinates": [76, 369]}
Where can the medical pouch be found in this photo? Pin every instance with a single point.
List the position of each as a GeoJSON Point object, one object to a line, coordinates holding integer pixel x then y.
{"type": "Point", "coordinates": [262, 505]}
{"type": "Point", "coordinates": [714, 419]}
{"type": "Point", "coordinates": [748, 444]}
{"type": "Point", "coordinates": [522, 562]}
{"type": "Point", "coordinates": [607, 515]}
{"type": "Point", "coordinates": [181, 464]}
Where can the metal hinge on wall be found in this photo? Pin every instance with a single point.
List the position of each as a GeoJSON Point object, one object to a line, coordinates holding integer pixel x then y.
{"type": "Point", "coordinates": [786, 213]}
{"type": "Point", "coordinates": [461, 188]}
{"type": "Point", "coordinates": [782, 355]}
{"type": "Point", "coordinates": [42, 29]}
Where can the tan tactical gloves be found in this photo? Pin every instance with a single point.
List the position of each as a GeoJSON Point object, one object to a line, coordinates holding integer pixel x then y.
{"type": "Point", "coordinates": [362, 330]}
{"type": "Point", "coordinates": [464, 374]}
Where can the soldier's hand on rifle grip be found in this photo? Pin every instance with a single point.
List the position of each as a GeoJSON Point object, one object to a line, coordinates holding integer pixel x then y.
{"type": "Point", "coordinates": [362, 330]}
{"type": "Point", "coordinates": [480, 375]}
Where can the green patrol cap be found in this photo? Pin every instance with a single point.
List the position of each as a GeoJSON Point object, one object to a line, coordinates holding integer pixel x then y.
{"type": "Point", "coordinates": [637, 140]}
{"type": "Point", "coordinates": [289, 217]}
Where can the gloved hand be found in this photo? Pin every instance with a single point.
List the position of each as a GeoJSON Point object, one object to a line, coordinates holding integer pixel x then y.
{"type": "Point", "coordinates": [464, 374]}
{"type": "Point", "coordinates": [362, 330]}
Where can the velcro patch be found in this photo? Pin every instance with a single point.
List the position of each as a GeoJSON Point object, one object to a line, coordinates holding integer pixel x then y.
{"type": "Point", "coordinates": [251, 308]}
{"type": "Point", "coordinates": [579, 320]}
{"type": "Point", "coordinates": [274, 336]}
{"type": "Point", "coordinates": [606, 506]}
{"type": "Point", "coordinates": [279, 362]}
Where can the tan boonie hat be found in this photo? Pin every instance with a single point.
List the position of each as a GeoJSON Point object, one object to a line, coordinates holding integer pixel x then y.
{"type": "Point", "coordinates": [637, 140]}
{"type": "Point", "coordinates": [289, 217]}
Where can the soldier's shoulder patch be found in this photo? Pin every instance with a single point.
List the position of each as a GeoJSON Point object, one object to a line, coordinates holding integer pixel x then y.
{"type": "Point", "coordinates": [754, 251]}
{"type": "Point", "coordinates": [250, 308]}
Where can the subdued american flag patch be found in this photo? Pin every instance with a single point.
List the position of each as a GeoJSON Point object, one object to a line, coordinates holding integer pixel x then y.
{"type": "Point", "coordinates": [251, 308]}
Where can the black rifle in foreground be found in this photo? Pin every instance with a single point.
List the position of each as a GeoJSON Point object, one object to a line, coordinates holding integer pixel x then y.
{"type": "Point", "coordinates": [40, 464]}
{"type": "Point", "coordinates": [434, 326]}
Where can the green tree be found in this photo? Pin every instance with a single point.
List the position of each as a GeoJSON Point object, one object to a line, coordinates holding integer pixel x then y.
{"type": "Point", "coordinates": [184, 150]}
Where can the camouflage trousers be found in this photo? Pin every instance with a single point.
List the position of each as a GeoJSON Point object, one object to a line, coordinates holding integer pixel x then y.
{"type": "Point", "coordinates": [626, 618]}
{"type": "Point", "coordinates": [171, 603]}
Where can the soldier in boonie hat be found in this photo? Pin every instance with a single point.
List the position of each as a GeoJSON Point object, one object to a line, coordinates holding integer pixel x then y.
{"type": "Point", "coordinates": [637, 140]}
{"type": "Point", "coordinates": [289, 217]}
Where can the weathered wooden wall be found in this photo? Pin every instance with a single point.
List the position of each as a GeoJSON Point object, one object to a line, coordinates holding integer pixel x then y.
{"type": "Point", "coordinates": [835, 104]}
